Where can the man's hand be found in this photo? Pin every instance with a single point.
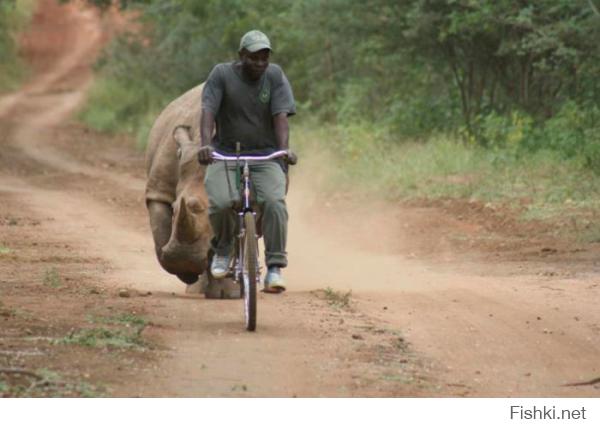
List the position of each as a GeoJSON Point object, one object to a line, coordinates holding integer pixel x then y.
{"type": "Point", "coordinates": [291, 159]}
{"type": "Point", "coordinates": [205, 155]}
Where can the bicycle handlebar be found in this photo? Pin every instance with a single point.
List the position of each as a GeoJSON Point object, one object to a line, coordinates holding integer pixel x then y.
{"type": "Point", "coordinates": [275, 155]}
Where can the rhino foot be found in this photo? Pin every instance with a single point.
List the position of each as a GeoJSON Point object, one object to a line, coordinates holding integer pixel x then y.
{"type": "Point", "coordinates": [198, 287]}
{"type": "Point", "coordinates": [222, 289]}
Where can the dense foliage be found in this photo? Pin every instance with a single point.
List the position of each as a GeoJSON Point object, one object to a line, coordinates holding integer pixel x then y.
{"type": "Point", "coordinates": [13, 14]}
{"type": "Point", "coordinates": [513, 75]}
{"type": "Point", "coordinates": [7, 10]}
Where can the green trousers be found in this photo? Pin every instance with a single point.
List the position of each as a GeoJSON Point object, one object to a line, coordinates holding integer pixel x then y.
{"type": "Point", "coordinates": [268, 190]}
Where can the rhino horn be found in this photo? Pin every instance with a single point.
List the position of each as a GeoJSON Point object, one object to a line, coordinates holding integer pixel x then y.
{"type": "Point", "coordinates": [185, 230]}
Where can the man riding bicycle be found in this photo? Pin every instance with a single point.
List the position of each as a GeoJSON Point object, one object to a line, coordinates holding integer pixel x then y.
{"type": "Point", "coordinates": [249, 102]}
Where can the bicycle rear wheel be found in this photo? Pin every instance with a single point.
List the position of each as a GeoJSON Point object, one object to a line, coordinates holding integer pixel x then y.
{"type": "Point", "coordinates": [250, 270]}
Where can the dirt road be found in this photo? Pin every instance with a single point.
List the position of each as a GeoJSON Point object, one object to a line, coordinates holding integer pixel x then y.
{"type": "Point", "coordinates": [75, 248]}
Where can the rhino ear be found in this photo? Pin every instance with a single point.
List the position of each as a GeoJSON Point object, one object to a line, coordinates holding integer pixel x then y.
{"type": "Point", "coordinates": [185, 145]}
{"type": "Point", "coordinates": [181, 135]}
{"type": "Point", "coordinates": [185, 230]}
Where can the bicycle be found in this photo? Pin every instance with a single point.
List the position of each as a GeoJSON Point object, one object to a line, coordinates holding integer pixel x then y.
{"type": "Point", "coordinates": [245, 268]}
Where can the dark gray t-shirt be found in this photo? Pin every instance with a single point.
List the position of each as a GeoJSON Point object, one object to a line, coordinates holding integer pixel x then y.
{"type": "Point", "coordinates": [244, 109]}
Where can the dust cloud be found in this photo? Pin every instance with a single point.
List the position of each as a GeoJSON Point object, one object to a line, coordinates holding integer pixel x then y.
{"type": "Point", "coordinates": [341, 241]}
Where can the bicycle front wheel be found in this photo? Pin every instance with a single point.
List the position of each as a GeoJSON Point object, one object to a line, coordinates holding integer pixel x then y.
{"type": "Point", "coordinates": [250, 270]}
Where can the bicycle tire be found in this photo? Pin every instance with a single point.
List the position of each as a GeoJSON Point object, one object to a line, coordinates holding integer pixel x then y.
{"type": "Point", "coordinates": [250, 270]}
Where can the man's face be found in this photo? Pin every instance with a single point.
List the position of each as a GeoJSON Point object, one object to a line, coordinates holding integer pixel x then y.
{"type": "Point", "coordinates": [255, 63]}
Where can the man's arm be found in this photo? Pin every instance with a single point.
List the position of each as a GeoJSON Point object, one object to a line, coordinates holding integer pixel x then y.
{"type": "Point", "coordinates": [212, 95]}
{"type": "Point", "coordinates": [282, 134]}
{"type": "Point", "coordinates": [282, 130]}
{"type": "Point", "coordinates": [207, 127]}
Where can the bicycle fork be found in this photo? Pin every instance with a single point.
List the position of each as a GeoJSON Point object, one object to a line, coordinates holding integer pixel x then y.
{"type": "Point", "coordinates": [239, 268]}
{"type": "Point", "coordinates": [242, 229]}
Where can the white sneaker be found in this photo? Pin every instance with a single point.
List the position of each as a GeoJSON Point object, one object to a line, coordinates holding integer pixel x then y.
{"type": "Point", "coordinates": [219, 267]}
{"type": "Point", "coordinates": [274, 280]}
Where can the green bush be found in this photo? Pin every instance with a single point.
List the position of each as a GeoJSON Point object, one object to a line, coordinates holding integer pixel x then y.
{"type": "Point", "coordinates": [573, 133]}
{"type": "Point", "coordinates": [591, 151]}
{"type": "Point", "coordinates": [14, 15]}
{"type": "Point", "coordinates": [565, 132]}
{"type": "Point", "coordinates": [121, 106]}
{"type": "Point", "coordinates": [506, 134]}
{"type": "Point", "coordinates": [542, 183]}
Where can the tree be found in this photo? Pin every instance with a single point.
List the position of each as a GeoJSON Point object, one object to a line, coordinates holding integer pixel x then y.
{"type": "Point", "coordinates": [506, 54]}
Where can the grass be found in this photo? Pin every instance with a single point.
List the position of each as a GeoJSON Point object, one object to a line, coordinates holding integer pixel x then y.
{"type": "Point", "coordinates": [100, 337]}
{"type": "Point", "coordinates": [542, 186]}
{"type": "Point", "coordinates": [116, 106]}
{"type": "Point", "coordinates": [125, 332]}
{"type": "Point", "coordinates": [4, 250]}
{"type": "Point", "coordinates": [13, 19]}
{"type": "Point", "coordinates": [127, 319]}
{"type": "Point", "coordinates": [591, 235]}
{"type": "Point", "coordinates": [47, 383]}
{"type": "Point", "coordinates": [337, 299]}
{"type": "Point", "coordinates": [52, 278]}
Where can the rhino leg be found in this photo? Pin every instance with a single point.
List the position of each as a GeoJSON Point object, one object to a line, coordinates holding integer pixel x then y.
{"type": "Point", "coordinates": [198, 287]}
{"type": "Point", "coordinates": [160, 222]}
{"type": "Point", "coordinates": [225, 288]}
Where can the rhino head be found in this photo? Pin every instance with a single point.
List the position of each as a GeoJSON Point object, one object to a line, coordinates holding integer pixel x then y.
{"type": "Point", "coordinates": [185, 254]}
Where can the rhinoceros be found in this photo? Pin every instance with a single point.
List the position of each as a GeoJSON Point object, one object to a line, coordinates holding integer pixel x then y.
{"type": "Point", "coordinates": [176, 199]}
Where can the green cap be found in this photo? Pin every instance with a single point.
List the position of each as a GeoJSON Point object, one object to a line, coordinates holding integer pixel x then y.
{"type": "Point", "coordinates": [254, 41]}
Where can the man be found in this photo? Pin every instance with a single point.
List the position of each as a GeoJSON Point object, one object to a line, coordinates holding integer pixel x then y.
{"type": "Point", "coordinates": [249, 101]}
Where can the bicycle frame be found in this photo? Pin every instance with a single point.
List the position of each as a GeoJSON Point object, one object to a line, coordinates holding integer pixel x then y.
{"type": "Point", "coordinates": [245, 190]}
{"type": "Point", "coordinates": [246, 207]}
{"type": "Point", "coordinates": [246, 268]}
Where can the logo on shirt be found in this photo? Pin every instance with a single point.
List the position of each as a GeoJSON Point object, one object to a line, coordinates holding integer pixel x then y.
{"type": "Point", "coordinates": [265, 94]}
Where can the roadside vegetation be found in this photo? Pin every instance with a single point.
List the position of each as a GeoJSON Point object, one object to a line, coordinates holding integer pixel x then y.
{"type": "Point", "coordinates": [337, 299]}
{"type": "Point", "coordinates": [52, 278]}
{"type": "Point", "coordinates": [14, 15]}
{"type": "Point", "coordinates": [43, 383]}
{"type": "Point", "coordinates": [119, 331]}
{"type": "Point", "coordinates": [485, 100]}
{"type": "Point", "coordinates": [536, 186]}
